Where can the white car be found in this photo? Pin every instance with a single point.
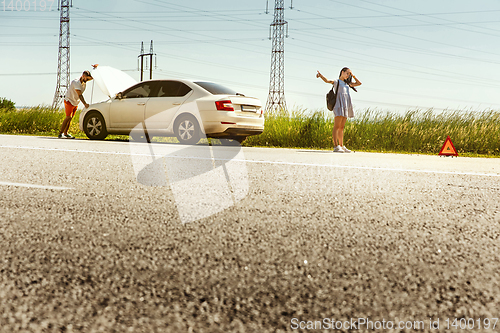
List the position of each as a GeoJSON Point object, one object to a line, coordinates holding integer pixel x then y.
{"type": "Point", "coordinates": [186, 109]}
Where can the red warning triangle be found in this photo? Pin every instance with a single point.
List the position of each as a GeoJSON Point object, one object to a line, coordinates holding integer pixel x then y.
{"type": "Point", "coordinates": [448, 148]}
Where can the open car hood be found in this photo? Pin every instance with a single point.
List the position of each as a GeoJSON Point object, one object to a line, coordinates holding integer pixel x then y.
{"type": "Point", "coordinates": [111, 80]}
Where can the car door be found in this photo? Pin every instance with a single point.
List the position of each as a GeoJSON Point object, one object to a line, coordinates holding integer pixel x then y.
{"type": "Point", "coordinates": [161, 108]}
{"type": "Point", "coordinates": [128, 111]}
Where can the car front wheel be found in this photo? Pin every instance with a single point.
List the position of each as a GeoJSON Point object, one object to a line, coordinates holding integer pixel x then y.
{"type": "Point", "coordinates": [187, 130]}
{"type": "Point", "coordinates": [94, 126]}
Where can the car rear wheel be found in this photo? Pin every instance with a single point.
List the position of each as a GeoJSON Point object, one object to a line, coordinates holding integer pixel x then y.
{"type": "Point", "coordinates": [187, 130]}
{"type": "Point", "coordinates": [94, 126]}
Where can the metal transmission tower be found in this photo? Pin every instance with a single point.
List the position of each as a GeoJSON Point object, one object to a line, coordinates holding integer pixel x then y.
{"type": "Point", "coordinates": [63, 69]}
{"type": "Point", "coordinates": [276, 98]}
{"type": "Point", "coordinates": [141, 61]}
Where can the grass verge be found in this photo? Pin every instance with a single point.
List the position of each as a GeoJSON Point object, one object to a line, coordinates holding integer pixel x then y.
{"type": "Point", "coordinates": [422, 132]}
{"type": "Point", "coordinates": [416, 131]}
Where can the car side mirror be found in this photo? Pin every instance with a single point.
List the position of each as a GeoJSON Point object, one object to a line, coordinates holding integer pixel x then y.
{"type": "Point", "coordinates": [119, 95]}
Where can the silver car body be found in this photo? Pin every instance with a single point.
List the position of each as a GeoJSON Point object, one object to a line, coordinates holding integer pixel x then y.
{"type": "Point", "coordinates": [148, 107]}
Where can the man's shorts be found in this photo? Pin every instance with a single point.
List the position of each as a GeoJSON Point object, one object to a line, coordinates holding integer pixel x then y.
{"type": "Point", "coordinates": [70, 109]}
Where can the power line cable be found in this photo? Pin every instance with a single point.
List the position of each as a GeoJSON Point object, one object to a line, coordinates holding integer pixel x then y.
{"type": "Point", "coordinates": [247, 50]}
{"type": "Point", "coordinates": [433, 16]}
{"type": "Point", "coordinates": [194, 40]}
{"type": "Point", "coordinates": [417, 38]}
{"type": "Point", "coordinates": [438, 73]}
{"type": "Point", "coordinates": [426, 24]}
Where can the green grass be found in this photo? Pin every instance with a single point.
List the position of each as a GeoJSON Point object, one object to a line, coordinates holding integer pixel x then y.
{"type": "Point", "coordinates": [416, 131]}
{"type": "Point", "coordinates": [41, 120]}
{"type": "Point", "coordinates": [35, 120]}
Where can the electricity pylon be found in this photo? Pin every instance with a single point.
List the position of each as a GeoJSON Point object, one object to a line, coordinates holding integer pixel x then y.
{"type": "Point", "coordinates": [141, 61]}
{"type": "Point", "coordinates": [63, 68]}
{"type": "Point", "coordinates": [276, 98]}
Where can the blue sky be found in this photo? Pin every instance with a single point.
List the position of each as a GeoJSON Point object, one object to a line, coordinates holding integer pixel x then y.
{"type": "Point", "coordinates": [408, 54]}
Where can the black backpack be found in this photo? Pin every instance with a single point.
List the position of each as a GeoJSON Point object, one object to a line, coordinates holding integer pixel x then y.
{"type": "Point", "coordinates": [331, 97]}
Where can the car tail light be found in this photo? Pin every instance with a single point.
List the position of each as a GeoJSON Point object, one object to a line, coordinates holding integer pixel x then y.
{"type": "Point", "coordinates": [224, 105]}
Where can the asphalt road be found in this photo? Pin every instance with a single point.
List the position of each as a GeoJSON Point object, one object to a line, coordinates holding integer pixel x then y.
{"type": "Point", "coordinates": [117, 236]}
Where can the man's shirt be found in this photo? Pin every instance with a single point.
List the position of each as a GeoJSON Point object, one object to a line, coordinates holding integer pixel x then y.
{"type": "Point", "coordinates": [71, 94]}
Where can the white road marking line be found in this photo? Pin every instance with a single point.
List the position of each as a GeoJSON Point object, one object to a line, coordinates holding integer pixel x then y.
{"type": "Point", "coordinates": [44, 187]}
{"type": "Point", "coordinates": [268, 162]}
{"type": "Point", "coordinates": [383, 169]}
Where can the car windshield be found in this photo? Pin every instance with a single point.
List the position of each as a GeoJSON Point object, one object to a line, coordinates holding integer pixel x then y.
{"type": "Point", "coordinates": [216, 89]}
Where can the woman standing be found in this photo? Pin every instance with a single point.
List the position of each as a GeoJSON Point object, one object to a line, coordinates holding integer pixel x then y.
{"type": "Point", "coordinates": [343, 106]}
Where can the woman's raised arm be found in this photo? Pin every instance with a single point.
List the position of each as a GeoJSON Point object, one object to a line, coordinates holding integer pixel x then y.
{"type": "Point", "coordinates": [357, 83]}
{"type": "Point", "coordinates": [324, 78]}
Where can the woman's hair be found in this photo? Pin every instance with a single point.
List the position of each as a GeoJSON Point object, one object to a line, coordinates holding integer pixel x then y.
{"type": "Point", "coordinates": [343, 70]}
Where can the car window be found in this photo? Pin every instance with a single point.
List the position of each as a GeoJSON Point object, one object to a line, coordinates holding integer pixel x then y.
{"type": "Point", "coordinates": [215, 88]}
{"type": "Point", "coordinates": [139, 91]}
{"type": "Point", "coordinates": [172, 89]}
